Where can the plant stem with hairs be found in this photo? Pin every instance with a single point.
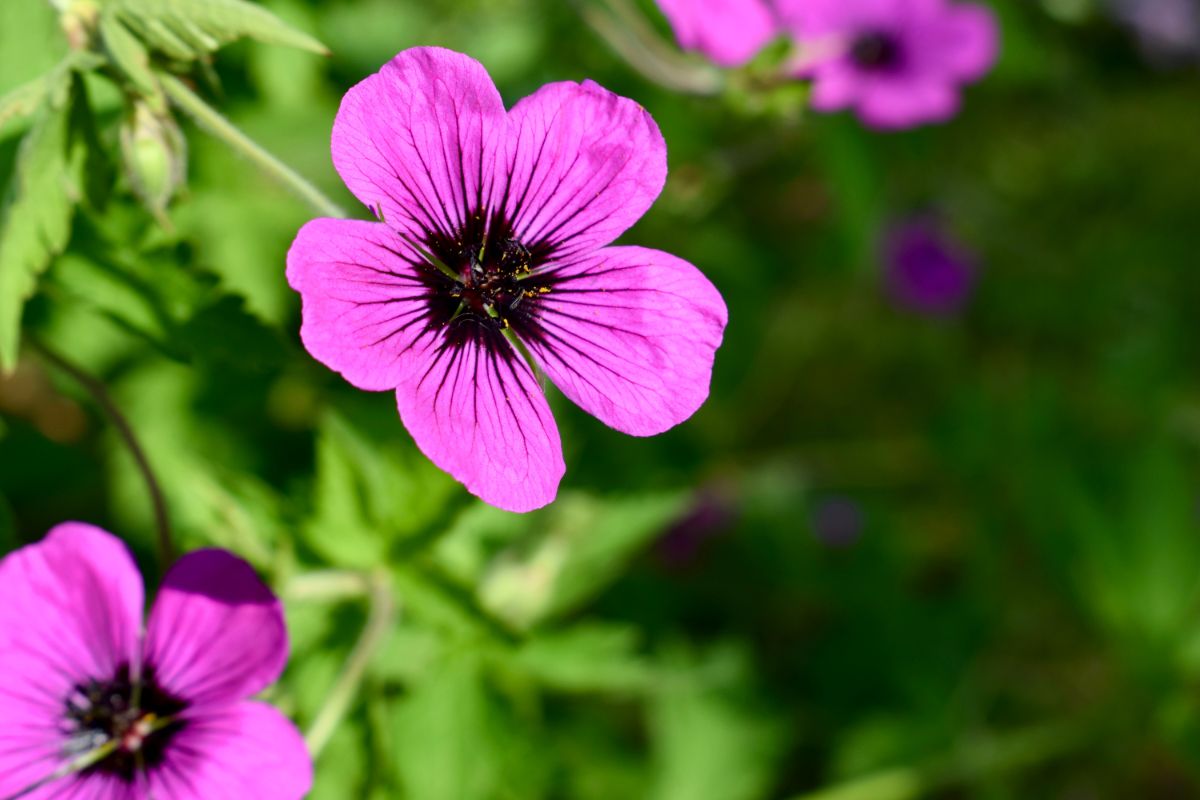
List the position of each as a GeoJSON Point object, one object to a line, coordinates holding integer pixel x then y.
{"type": "Point", "coordinates": [99, 393]}
{"type": "Point", "coordinates": [381, 615]}
{"type": "Point", "coordinates": [211, 120]}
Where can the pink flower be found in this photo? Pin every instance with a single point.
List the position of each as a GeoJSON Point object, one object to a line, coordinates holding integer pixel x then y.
{"type": "Point", "coordinates": [729, 32]}
{"type": "Point", "coordinates": [899, 63]}
{"type": "Point", "coordinates": [163, 715]}
{"type": "Point", "coordinates": [494, 252]}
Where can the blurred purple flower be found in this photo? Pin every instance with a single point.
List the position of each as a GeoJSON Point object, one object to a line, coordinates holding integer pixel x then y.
{"type": "Point", "coordinates": [925, 271]}
{"type": "Point", "coordinates": [90, 707]}
{"type": "Point", "coordinates": [729, 32]}
{"type": "Point", "coordinates": [838, 522]}
{"type": "Point", "coordinates": [898, 63]}
{"type": "Point", "coordinates": [711, 514]}
{"type": "Point", "coordinates": [1169, 30]}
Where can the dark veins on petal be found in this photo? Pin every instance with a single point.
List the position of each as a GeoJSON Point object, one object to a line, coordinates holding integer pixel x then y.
{"type": "Point", "coordinates": [135, 714]}
{"type": "Point", "coordinates": [877, 51]}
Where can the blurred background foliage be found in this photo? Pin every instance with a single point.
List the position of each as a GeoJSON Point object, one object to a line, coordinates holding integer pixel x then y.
{"type": "Point", "coordinates": [895, 556]}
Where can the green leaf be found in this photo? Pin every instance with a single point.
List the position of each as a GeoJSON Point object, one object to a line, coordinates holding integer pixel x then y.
{"type": "Point", "coordinates": [35, 222]}
{"type": "Point", "coordinates": [341, 529]}
{"type": "Point", "coordinates": [587, 658]}
{"type": "Point", "coordinates": [584, 545]}
{"type": "Point", "coordinates": [445, 735]}
{"type": "Point", "coordinates": [186, 30]}
{"type": "Point", "coordinates": [369, 495]}
{"type": "Point", "coordinates": [713, 740]}
{"type": "Point", "coordinates": [24, 99]}
{"type": "Point", "coordinates": [130, 56]}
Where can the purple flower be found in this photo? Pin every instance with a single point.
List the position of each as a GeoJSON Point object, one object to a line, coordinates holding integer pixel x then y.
{"type": "Point", "coordinates": [712, 512]}
{"type": "Point", "coordinates": [838, 522]}
{"type": "Point", "coordinates": [898, 63]}
{"type": "Point", "coordinates": [925, 271]}
{"type": "Point", "coordinates": [494, 253]}
{"type": "Point", "coordinates": [729, 32]}
{"type": "Point", "coordinates": [92, 709]}
{"type": "Point", "coordinates": [1169, 30]}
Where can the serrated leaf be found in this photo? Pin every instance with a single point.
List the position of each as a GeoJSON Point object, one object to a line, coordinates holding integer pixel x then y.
{"type": "Point", "coordinates": [186, 30]}
{"type": "Point", "coordinates": [35, 222]}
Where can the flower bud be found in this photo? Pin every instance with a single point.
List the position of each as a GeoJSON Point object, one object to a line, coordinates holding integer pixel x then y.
{"type": "Point", "coordinates": [154, 152]}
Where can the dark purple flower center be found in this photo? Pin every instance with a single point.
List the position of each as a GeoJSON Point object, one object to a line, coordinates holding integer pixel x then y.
{"type": "Point", "coordinates": [137, 716]}
{"type": "Point", "coordinates": [877, 51]}
{"type": "Point", "coordinates": [495, 288]}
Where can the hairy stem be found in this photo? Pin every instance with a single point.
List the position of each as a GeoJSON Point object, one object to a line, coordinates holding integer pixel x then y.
{"type": "Point", "coordinates": [624, 29]}
{"type": "Point", "coordinates": [332, 584]}
{"type": "Point", "coordinates": [99, 393]}
{"type": "Point", "coordinates": [380, 617]}
{"type": "Point", "coordinates": [216, 124]}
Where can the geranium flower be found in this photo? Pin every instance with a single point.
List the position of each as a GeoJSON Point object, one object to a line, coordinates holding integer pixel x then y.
{"type": "Point", "coordinates": [898, 63]}
{"type": "Point", "coordinates": [492, 254]}
{"type": "Point", "coordinates": [925, 271]}
{"type": "Point", "coordinates": [90, 709]}
{"type": "Point", "coordinates": [728, 32]}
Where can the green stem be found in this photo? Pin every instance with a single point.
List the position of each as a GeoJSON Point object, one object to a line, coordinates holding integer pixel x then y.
{"type": "Point", "coordinates": [624, 29]}
{"type": "Point", "coordinates": [332, 584]}
{"type": "Point", "coordinates": [99, 393]}
{"type": "Point", "coordinates": [984, 757]}
{"type": "Point", "coordinates": [210, 119]}
{"type": "Point", "coordinates": [379, 620]}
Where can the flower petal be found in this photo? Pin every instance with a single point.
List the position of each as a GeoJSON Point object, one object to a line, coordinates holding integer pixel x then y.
{"type": "Point", "coordinates": [970, 40]}
{"type": "Point", "coordinates": [891, 105]}
{"type": "Point", "coordinates": [245, 750]}
{"type": "Point", "coordinates": [729, 32]}
{"type": "Point", "coordinates": [584, 164]}
{"type": "Point", "coordinates": [93, 786]}
{"type": "Point", "coordinates": [362, 293]}
{"type": "Point", "coordinates": [216, 632]}
{"type": "Point", "coordinates": [629, 334]}
{"type": "Point", "coordinates": [477, 411]}
{"type": "Point", "coordinates": [70, 611]}
{"type": "Point", "coordinates": [417, 140]}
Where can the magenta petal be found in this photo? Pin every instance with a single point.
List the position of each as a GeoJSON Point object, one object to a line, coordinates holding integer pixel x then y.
{"type": "Point", "coordinates": [417, 140]}
{"type": "Point", "coordinates": [247, 750]}
{"type": "Point", "coordinates": [478, 413]}
{"type": "Point", "coordinates": [729, 32]}
{"type": "Point", "coordinates": [363, 306]}
{"type": "Point", "coordinates": [87, 787]}
{"type": "Point", "coordinates": [629, 334]}
{"type": "Point", "coordinates": [70, 611]}
{"type": "Point", "coordinates": [216, 632]}
{"type": "Point", "coordinates": [584, 164]}
{"type": "Point", "coordinates": [972, 41]}
{"type": "Point", "coordinates": [885, 107]}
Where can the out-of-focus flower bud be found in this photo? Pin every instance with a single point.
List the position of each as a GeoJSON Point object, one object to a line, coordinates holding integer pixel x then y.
{"type": "Point", "coordinates": [154, 152]}
{"type": "Point", "coordinates": [78, 21]}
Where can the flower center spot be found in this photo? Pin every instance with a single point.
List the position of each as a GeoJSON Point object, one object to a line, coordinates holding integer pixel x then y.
{"type": "Point", "coordinates": [492, 285]}
{"type": "Point", "coordinates": [876, 51]}
{"type": "Point", "coordinates": [126, 712]}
